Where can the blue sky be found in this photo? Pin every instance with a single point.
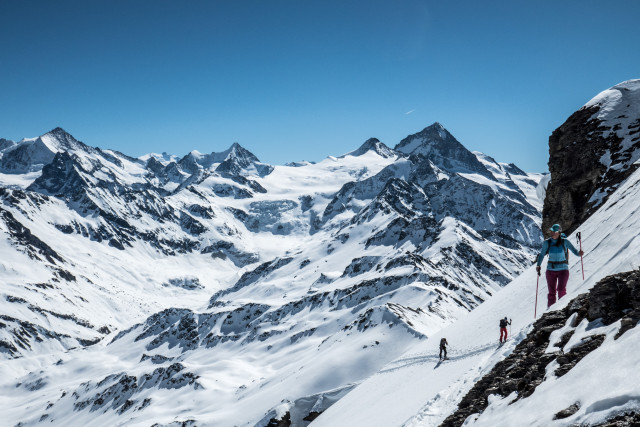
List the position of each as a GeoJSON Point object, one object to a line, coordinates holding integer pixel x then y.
{"type": "Point", "coordinates": [294, 80]}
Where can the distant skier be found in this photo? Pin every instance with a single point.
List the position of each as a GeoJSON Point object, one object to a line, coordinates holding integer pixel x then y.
{"type": "Point", "coordinates": [503, 328]}
{"type": "Point", "coordinates": [443, 347]}
{"type": "Point", "coordinates": [557, 274]}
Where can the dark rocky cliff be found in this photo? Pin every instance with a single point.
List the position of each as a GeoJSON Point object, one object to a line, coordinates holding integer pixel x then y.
{"type": "Point", "coordinates": [591, 154]}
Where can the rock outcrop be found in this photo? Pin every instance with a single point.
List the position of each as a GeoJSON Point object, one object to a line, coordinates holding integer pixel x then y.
{"type": "Point", "coordinates": [614, 298]}
{"type": "Point", "coordinates": [591, 154]}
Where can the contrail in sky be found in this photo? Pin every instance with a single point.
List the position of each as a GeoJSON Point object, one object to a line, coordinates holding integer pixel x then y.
{"type": "Point", "coordinates": [409, 112]}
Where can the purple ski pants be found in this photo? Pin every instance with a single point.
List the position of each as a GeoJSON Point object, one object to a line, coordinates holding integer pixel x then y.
{"type": "Point", "coordinates": [556, 280]}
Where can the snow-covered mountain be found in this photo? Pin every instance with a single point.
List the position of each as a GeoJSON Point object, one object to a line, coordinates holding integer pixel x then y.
{"type": "Point", "coordinates": [222, 290]}
{"type": "Point", "coordinates": [576, 365]}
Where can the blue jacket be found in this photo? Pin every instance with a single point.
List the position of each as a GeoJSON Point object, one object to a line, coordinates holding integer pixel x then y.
{"type": "Point", "coordinates": [557, 253]}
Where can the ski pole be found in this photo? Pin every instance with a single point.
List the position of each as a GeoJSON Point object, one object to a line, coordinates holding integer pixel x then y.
{"type": "Point", "coordinates": [579, 237]}
{"type": "Point", "coordinates": [535, 312]}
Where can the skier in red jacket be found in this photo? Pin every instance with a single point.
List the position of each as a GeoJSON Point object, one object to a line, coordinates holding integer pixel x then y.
{"type": "Point", "coordinates": [503, 328]}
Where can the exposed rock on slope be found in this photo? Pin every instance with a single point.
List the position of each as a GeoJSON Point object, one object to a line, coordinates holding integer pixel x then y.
{"type": "Point", "coordinates": [591, 153]}
{"type": "Point", "coordinates": [614, 298]}
{"type": "Point", "coordinates": [440, 147]}
{"type": "Point", "coordinates": [343, 264]}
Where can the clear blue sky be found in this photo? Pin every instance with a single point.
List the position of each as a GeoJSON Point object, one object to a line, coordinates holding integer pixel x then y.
{"type": "Point", "coordinates": [303, 79]}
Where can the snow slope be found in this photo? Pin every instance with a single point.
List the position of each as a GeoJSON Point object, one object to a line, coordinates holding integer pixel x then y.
{"type": "Point", "coordinates": [416, 390]}
{"type": "Point", "coordinates": [218, 289]}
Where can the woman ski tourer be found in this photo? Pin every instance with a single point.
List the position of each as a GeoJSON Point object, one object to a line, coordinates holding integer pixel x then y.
{"type": "Point", "coordinates": [557, 247]}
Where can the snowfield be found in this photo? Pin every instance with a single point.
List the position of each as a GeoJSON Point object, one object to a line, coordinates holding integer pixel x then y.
{"type": "Point", "coordinates": [417, 390]}
{"type": "Point", "coordinates": [217, 289]}
{"type": "Point", "coordinates": [213, 289]}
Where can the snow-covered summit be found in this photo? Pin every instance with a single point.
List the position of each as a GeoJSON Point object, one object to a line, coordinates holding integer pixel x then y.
{"type": "Point", "coordinates": [234, 160]}
{"type": "Point", "coordinates": [238, 160]}
{"type": "Point", "coordinates": [614, 97]}
{"type": "Point", "coordinates": [443, 149]}
{"type": "Point", "coordinates": [372, 144]}
{"type": "Point", "coordinates": [618, 110]}
{"type": "Point", "coordinates": [255, 289]}
{"type": "Point", "coordinates": [164, 158]}
{"type": "Point", "coordinates": [60, 140]}
{"type": "Point", "coordinates": [32, 154]}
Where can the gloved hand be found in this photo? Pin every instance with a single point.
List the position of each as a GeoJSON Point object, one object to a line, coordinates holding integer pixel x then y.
{"type": "Point", "coordinates": [538, 269]}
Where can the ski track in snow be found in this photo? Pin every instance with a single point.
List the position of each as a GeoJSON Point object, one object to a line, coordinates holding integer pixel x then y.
{"type": "Point", "coordinates": [609, 249]}
{"type": "Point", "coordinates": [452, 355]}
{"type": "Point", "coordinates": [300, 360]}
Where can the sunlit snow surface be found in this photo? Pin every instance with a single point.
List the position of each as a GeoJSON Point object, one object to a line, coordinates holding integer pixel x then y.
{"type": "Point", "coordinates": [342, 294]}
{"type": "Point", "coordinates": [619, 107]}
{"type": "Point", "coordinates": [416, 390]}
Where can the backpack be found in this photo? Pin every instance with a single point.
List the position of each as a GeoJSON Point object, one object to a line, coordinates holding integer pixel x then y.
{"type": "Point", "coordinates": [503, 323]}
{"type": "Point", "coordinates": [559, 242]}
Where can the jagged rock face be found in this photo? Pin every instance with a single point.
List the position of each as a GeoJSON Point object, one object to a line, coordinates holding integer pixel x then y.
{"type": "Point", "coordinates": [26, 158]}
{"type": "Point", "coordinates": [438, 145]}
{"type": "Point", "coordinates": [5, 143]}
{"type": "Point", "coordinates": [240, 159]}
{"type": "Point", "coordinates": [31, 155]}
{"type": "Point", "coordinates": [484, 209]}
{"type": "Point", "coordinates": [59, 176]}
{"type": "Point", "coordinates": [591, 154]}
{"type": "Point", "coordinates": [21, 235]}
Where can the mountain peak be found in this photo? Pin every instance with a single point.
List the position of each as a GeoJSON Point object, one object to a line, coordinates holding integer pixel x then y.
{"type": "Point", "coordinates": [435, 125]}
{"type": "Point", "coordinates": [234, 152]}
{"type": "Point", "coordinates": [59, 139]}
{"type": "Point", "coordinates": [59, 131]}
{"type": "Point", "coordinates": [424, 142]}
{"type": "Point", "coordinates": [437, 130]}
{"type": "Point", "coordinates": [61, 135]}
{"type": "Point", "coordinates": [238, 160]}
{"type": "Point", "coordinates": [372, 144]}
{"type": "Point", "coordinates": [438, 145]}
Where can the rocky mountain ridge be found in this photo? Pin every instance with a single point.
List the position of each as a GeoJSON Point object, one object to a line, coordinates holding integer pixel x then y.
{"type": "Point", "coordinates": [361, 254]}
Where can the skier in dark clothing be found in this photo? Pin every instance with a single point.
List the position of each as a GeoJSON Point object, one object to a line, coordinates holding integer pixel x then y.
{"type": "Point", "coordinates": [443, 347]}
{"type": "Point", "coordinates": [558, 247]}
{"type": "Point", "coordinates": [503, 328]}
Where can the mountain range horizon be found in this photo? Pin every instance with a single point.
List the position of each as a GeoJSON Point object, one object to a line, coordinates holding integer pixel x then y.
{"type": "Point", "coordinates": [59, 130]}
{"type": "Point", "coordinates": [214, 289]}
